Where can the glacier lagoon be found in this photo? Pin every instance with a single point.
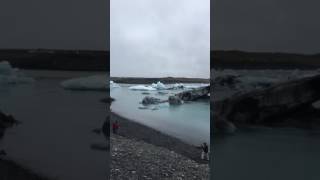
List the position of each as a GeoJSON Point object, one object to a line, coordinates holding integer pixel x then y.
{"type": "Point", "coordinates": [189, 122]}
{"type": "Point", "coordinates": [55, 136]}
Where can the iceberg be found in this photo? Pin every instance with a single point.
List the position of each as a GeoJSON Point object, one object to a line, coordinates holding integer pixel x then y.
{"type": "Point", "coordinates": [196, 86]}
{"type": "Point", "coordinates": [153, 87]}
{"type": "Point", "coordinates": [142, 88]}
{"type": "Point", "coordinates": [97, 82]}
{"type": "Point", "coordinates": [178, 86]}
{"type": "Point", "coordinates": [10, 75]}
{"type": "Point", "coordinates": [114, 85]}
{"type": "Point", "coordinates": [159, 86]}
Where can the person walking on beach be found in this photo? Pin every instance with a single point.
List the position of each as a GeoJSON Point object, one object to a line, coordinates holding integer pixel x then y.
{"type": "Point", "coordinates": [205, 151]}
{"type": "Point", "coordinates": [115, 127]}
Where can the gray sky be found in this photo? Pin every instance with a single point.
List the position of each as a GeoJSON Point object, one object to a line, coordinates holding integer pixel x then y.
{"type": "Point", "coordinates": [266, 25]}
{"type": "Point", "coordinates": [58, 24]}
{"type": "Point", "coordinates": [160, 38]}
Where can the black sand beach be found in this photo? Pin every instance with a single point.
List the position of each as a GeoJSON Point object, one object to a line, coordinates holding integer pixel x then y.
{"type": "Point", "coordinates": [133, 130]}
{"type": "Point", "coordinates": [12, 171]}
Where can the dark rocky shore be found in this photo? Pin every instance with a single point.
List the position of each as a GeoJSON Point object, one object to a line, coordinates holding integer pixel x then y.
{"type": "Point", "coordinates": [140, 152]}
{"type": "Point", "coordinates": [140, 161]}
{"type": "Point", "coordinates": [133, 130]}
{"type": "Point", "coordinates": [9, 170]}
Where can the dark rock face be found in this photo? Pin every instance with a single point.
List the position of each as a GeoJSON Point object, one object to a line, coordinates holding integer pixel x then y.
{"type": "Point", "coordinates": [6, 121]}
{"type": "Point", "coordinates": [107, 100]}
{"type": "Point", "coordinates": [228, 80]}
{"type": "Point", "coordinates": [174, 100]}
{"type": "Point", "coordinates": [265, 106]}
{"type": "Point", "coordinates": [150, 100]}
{"type": "Point", "coordinates": [194, 94]}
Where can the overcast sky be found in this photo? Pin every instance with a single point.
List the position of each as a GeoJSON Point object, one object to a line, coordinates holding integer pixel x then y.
{"type": "Point", "coordinates": [160, 38]}
{"type": "Point", "coordinates": [253, 25]}
{"type": "Point", "coordinates": [266, 25]}
{"type": "Point", "coordinates": [57, 24]}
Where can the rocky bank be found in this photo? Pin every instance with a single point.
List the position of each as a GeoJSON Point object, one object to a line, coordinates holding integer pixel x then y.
{"type": "Point", "coordinates": [133, 159]}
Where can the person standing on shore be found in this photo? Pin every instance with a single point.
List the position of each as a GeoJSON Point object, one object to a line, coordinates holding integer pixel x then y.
{"type": "Point", "coordinates": [205, 151]}
{"type": "Point", "coordinates": [115, 127]}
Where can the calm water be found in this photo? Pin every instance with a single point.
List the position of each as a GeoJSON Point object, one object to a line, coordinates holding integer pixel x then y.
{"type": "Point", "coordinates": [55, 135]}
{"type": "Point", "coordinates": [189, 122]}
{"type": "Point", "coordinates": [264, 153]}
{"type": "Point", "coordinates": [267, 154]}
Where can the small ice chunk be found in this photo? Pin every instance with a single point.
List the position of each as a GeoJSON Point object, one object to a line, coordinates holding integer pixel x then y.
{"type": "Point", "coordinates": [114, 85]}
{"type": "Point", "coordinates": [159, 86]}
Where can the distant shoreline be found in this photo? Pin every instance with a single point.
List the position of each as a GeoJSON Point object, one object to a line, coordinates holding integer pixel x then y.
{"type": "Point", "coordinates": [167, 80]}
{"type": "Point", "coordinates": [99, 60]}
{"type": "Point", "coordinates": [48, 59]}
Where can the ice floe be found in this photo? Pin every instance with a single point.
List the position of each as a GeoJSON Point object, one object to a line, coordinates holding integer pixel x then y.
{"type": "Point", "coordinates": [97, 82]}
{"type": "Point", "coordinates": [142, 88]}
{"type": "Point", "coordinates": [159, 86]}
{"type": "Point", "coordinates": [10, 75]}
{"type": "Point", "coordinates": [114, 85]}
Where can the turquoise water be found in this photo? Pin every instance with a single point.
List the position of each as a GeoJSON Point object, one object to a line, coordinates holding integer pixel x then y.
{"type": "Point", "coordinates": [189, 122]}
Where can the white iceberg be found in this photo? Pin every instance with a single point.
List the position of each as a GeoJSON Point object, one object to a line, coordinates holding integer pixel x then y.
{"type": "Point", "coordinates": [114, 85]}
{"type": "Point", "coordinates": [9, 75]}
{"type": "Point", "coordinates": [97, 82]}
{"type": "Point", "coordinates": [159, 86]}
{"type": "Point", "coordinates": [142, 88]}
{"type": "Point", "coordinates": [195, 86]}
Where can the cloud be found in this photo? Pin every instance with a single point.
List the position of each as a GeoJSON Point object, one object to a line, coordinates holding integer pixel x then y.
{"type": "Point", "coordinates": [157, 38]}
{"type": "Point", "coordinates": [266, 25]}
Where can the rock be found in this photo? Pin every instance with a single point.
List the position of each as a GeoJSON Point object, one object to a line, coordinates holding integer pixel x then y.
{"type": "Point", "coordinates": [150, 100]}
{"type": "Point", "coordinates": [267, 106]}
{"type": "Point", "coordinates": [107, 100]}
{"type": "Point", "coordinates": [227, 80]}
{"type": "Point", "coordinates": [154, 162]}
{"type": "Point", "coordinates": [174, 100]}
{"type": "Point", "coordinates": [192, 95]}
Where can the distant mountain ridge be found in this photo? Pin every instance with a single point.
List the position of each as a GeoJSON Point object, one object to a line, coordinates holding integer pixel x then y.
{"type": "Point", "coordinates": [80, 60]}
{"type": "Point", "coordinates": [263, 60]}
{"type": "Point", "coordinates": [90, 60]}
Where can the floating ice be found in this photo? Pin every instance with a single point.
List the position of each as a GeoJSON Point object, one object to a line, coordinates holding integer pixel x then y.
{"type": "Point", "coordinates": [97, 82]}
{"type": "Point", "coordinates": [195, 86]}
{"type": "Point", "coordinates": [178, 86]}
{"type": "Point", "coordinates": [142, 88]}
{"type": "Point", "coordinates": [113, 85]}
{"type": "Point", "coordinates": [159, 86]}
{"type": "Point", "coordinates": [9, 75]}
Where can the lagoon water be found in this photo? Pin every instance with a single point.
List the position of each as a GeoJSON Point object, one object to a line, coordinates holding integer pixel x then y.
{"type": "Point", "coordinates": [189, 122]}
{"type": "Point", "coordinates": [265, 153]}
{"type": "Point", "coordinates": [55, 136]}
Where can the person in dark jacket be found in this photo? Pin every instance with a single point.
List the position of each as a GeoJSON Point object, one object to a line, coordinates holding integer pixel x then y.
{"type": "Point", "coordinates": [205, 151]}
